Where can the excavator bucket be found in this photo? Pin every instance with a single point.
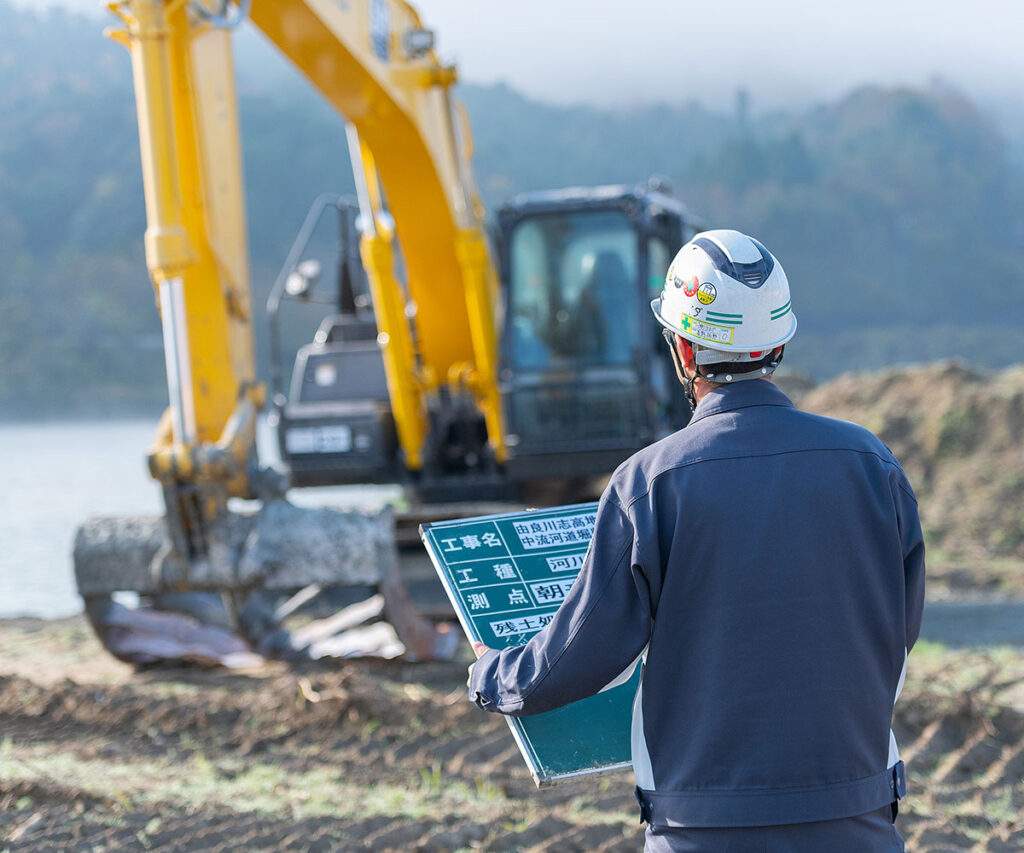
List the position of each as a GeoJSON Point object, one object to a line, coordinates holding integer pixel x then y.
{"type": "Point", "coordinates": [229, 607]}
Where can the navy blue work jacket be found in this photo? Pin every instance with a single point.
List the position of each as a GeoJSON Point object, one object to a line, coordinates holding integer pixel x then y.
{"type": "Point", "coordinates": [766, 567]}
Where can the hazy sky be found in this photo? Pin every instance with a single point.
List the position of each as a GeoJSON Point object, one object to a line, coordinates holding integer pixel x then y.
{"type": "Point", "coordinates": [676, 49]}
{"type": "Point", "coordinates": [788, 51]}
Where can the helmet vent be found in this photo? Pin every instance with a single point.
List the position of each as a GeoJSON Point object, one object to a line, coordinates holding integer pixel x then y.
{"type": "Point", "coordinates": [753, 275]}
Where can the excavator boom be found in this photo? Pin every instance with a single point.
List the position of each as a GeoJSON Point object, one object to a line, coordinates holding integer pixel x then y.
{"type": "Point", "coordinates": [374, 62]}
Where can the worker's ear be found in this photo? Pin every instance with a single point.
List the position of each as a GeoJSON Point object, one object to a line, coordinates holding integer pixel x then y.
{"type": "Point", "coordinates": [685, 351]}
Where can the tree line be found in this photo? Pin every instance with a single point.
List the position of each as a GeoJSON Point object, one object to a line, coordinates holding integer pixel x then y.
{"type": "Point", "coordinates": [896, 212]}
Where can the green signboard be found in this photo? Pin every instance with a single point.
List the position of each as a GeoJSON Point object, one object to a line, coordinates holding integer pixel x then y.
{"type": "Point", "coordinates": [506, 576]}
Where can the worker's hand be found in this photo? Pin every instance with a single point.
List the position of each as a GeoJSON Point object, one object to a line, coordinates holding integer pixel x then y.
{"type": "Point", "coordinates": [479, 649]}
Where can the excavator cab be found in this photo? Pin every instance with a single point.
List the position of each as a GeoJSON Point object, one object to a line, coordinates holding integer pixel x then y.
{"type": "Point", "coordinates": [584, 377]}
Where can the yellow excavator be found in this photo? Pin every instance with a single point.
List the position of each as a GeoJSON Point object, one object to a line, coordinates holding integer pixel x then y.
{"type": "Point", "coordinates": [466, 361]}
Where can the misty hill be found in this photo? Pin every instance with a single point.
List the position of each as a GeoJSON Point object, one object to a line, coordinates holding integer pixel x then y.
{"type": "Point", "coordinates": [897, 213]}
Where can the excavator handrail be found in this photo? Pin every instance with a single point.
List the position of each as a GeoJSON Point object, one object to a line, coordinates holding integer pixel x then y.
{"type": "Point", "coordinates": [277, 292]}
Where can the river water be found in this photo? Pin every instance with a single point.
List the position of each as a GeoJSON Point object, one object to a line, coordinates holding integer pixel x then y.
{"type": "Point", "coordinates": [54, 475]}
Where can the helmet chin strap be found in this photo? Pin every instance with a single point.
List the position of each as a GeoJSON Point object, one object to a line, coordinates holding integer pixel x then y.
{"type": "Point", "coordinates": [688, 392]}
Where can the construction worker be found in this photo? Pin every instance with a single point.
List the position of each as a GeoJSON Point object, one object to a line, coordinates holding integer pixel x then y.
{"type": "Point", "coordinates": [765, 567]}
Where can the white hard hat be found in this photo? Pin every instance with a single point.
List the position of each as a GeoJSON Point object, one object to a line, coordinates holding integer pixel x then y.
{"type": "Point", "coordinates": [727, 293]}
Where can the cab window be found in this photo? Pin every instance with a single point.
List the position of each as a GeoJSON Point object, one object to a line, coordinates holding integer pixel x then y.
{"type": "Point", "coordinates": [571, 290]}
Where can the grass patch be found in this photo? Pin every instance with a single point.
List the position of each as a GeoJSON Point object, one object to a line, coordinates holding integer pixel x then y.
{"type": "Point", "coordinates": [263, 788]}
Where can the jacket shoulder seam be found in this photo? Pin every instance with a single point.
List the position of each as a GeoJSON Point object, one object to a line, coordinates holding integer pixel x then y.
{"type": "Point", "coordinates": [689, 462]}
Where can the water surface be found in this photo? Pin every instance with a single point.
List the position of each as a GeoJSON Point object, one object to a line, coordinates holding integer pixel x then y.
{"type": "Point", "coordinates": [54, 475]}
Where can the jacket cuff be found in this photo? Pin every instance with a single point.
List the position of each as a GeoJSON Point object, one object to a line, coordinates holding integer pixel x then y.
{"type": "Point", "coordinates": [479, 694]}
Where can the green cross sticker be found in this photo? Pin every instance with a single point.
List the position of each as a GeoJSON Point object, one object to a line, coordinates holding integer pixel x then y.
{"type": "Point", "coordinates": [685, 323]}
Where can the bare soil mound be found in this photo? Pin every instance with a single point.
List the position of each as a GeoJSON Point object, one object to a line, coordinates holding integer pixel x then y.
{"type": "Point", "coordinates": [959, 435]}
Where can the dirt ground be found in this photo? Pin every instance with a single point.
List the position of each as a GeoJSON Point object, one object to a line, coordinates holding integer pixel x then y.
{"type": "Point", "coordinates": [380, 756]}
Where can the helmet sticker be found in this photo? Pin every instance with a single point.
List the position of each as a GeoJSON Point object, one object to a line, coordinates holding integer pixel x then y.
{"type": "Point", "coordinates": [707, 293]}
{"type": "Point", "coordinates": [706, 331]}
{"type": "Point", "coordinates": [690, 287]}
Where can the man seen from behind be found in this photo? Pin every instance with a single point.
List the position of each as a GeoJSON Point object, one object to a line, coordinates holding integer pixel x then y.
{"type": "Point", "coordinates": [765, 567]}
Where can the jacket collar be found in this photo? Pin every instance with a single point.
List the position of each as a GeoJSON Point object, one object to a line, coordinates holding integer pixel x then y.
{"type": "Point", "coordinates": [742, 395]}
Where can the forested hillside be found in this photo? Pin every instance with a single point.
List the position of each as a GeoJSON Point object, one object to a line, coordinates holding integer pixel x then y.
{"type": "Point", "coordinates": [896, 212]}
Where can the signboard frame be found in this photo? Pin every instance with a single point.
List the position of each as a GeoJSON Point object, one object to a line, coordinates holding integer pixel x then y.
{"type": "Point", "coordinates": [531, 731]}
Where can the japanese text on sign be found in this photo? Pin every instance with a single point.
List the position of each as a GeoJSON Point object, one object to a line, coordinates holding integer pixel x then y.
{"type": "Point", "coordinates": [521, 625]}
{"type": "Point", "coordinates": [552, 532]}
{"type": "Point", "coordinates": [565, 562]}
{"type": "Point", "coordinates": [550, 592]}
{"type": "Point", "coordinates": [508, 574]}
{"type": "Point", "coordinates": [470, 542]}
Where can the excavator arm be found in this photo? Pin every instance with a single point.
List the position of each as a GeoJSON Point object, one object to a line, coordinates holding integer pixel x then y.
{"type": "Point", "coordinates": [373, 61]}
{"type": "Point", "coordinates": [196, 245]}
